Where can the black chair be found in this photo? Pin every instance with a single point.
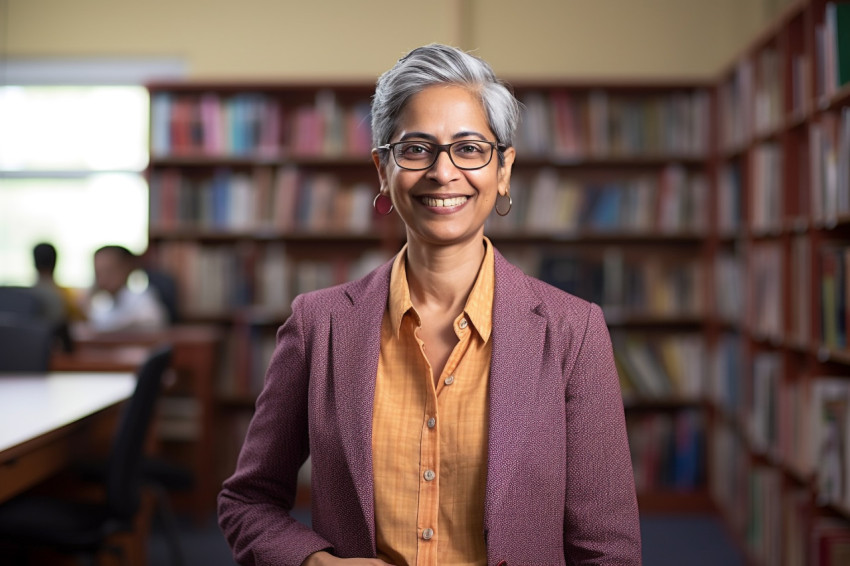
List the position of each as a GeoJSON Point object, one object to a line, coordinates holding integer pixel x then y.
{"type": "Point", "coordinates": [21, 301]}
{"type": "Point", "coordinates": [83, 528]}
{"type": "Point", "coordinates": [25, 344]}
{"type": "Point", "coordinates": [161, 476]}
{"type": "Point", "coordinates": [165, 286]}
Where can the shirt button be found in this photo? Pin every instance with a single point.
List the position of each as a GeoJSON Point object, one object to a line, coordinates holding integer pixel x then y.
{"type": "Point", "coordinates": [463, 324]}
{"type": "Point", "coordinates": [449, 380]}
{"type": "Point", "coordinates": [432, 422]}
{"type": "Point", "coordinates": [428, 534]}
{"type": "Point", "coordinates": [429, 475]}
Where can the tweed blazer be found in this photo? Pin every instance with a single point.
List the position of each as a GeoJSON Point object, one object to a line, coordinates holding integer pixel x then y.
{"type": "Point", "coordinates": [560, 488]}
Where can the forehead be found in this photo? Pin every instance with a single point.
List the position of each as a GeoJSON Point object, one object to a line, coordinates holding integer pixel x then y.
{"type": "Point", "coordinates": [444, 109]}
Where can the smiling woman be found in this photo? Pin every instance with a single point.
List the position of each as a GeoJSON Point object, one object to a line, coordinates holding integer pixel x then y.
{"type": "Point", "coordinates": [71, 162]}
{"type": "Point", "coordinates": [454, 409]}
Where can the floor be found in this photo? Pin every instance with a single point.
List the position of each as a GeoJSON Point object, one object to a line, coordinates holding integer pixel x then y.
{"type": "Point", "coordinates": [668, 540]}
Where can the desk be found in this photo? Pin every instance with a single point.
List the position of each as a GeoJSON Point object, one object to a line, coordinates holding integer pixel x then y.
{"type": "Point", "coordinates": [46, 419]}
{"type": "Point", "coordinates": [101, 359]}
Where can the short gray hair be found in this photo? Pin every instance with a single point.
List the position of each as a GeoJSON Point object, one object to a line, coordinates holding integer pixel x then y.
{"type": "Point", "coordinates": [437, 64]}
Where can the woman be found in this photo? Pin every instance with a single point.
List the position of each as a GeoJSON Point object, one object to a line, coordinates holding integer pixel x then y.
{"type": "Point", "coordinates": [456, 410]}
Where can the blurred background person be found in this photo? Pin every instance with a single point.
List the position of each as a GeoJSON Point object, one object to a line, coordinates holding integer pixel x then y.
{"type": "Point", "coordinates": [114, 304]}
{"type": "Point", "coordinates": [60, 305]}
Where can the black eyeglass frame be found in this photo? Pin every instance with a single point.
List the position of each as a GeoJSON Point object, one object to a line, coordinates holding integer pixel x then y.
{"type": "Point", "coordinates": [440, 148]}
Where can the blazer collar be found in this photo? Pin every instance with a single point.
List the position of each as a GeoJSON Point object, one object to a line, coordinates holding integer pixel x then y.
{"type": "Point", "coordinates": [519, 332]}
{"type": "Point", "coordinates": [355, 349]}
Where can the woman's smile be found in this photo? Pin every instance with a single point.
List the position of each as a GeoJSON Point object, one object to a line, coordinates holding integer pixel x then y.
{"type": "Point", "coordinates": [443, 205]}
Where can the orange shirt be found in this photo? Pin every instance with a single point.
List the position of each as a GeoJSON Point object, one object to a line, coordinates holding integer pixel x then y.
{"type": "Point", "coordinates": [429, 444]}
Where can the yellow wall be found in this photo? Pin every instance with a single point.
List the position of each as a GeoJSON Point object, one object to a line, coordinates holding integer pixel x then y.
{"type": "Point", "coordinates": [284, 39]}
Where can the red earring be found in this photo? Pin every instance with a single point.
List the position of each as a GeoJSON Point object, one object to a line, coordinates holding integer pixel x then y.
{"type": "Point", "coordinates": [383, 204]}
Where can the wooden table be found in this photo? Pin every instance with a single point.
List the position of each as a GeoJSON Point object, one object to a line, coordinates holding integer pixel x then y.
{"type": "Point", "coordinates": [45, 420]}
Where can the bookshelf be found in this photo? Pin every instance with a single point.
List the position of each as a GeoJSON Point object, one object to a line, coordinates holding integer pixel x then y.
{"type": "Point", "coordinates": [260, 191]}
{"type": "Point", "coordinates": [780, 373]}
{"type": "Point", "coordinates": [611, 188]}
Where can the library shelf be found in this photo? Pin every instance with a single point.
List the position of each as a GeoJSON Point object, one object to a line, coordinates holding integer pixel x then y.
{"type": "Point", "coordinates": [782, 426]}
{"type": "Point", "coordinates": [263, 190]}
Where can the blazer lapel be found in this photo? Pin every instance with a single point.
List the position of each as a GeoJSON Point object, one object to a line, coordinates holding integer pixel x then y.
{"type": "Point", "coordinates": [518, 348]}
{"type": "Point", "coordinates": [355, 346]}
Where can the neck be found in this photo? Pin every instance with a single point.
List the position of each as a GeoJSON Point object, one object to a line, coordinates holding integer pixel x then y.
{"type": "Point", "coordinates": [443, 276]}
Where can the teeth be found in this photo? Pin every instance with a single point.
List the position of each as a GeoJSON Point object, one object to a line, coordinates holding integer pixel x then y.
{"type": "Point", "coordinates": [443, 202]}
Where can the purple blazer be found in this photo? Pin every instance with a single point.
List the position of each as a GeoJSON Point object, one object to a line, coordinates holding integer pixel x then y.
{"type": "Point", "coordinates": [560, 488]}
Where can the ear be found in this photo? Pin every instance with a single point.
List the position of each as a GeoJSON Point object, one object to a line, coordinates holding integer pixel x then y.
{"type": "Point", "coordinates": [505, 171]}
{"type": "Point", "coordinates": [382, 173]}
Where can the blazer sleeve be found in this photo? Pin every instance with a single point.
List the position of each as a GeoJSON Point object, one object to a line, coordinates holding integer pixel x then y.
{"type": "Point", "coordinates": [601, 520]}
{"type": "Point", "coordinates": [255, 502]}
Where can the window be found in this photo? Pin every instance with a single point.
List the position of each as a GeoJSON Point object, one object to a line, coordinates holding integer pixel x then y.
{"type": "Point", "coordinates": [71, 173]}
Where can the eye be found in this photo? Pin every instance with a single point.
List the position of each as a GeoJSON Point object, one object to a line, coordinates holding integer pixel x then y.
{"type": "Point", "coordinates": [414, 150]}
{"type": "Point", "coordinates": [469, 148]}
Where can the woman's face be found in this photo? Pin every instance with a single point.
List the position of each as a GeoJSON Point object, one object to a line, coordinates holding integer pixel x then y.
{"type": "Point", "coordinates": [443, 204]}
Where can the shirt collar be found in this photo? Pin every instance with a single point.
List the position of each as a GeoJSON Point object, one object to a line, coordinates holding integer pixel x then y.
{"type": "Point", "coordinates": [479, 304]}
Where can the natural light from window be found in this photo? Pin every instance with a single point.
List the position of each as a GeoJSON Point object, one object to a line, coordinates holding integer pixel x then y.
{"type": "Point", "coordinates": [71, 164]}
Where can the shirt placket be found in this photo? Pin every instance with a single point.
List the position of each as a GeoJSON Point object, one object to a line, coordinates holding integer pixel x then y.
{"type": "Point", "coordinates": [429, 469]}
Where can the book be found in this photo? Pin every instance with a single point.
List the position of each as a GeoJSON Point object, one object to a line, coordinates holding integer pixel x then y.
{"type": "Point", "coordinates": [838, 29]}
{"type": "Point", "coordinates": [830, 426]}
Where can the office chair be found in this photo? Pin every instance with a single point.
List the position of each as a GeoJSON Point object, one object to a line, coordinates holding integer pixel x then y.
{"type": "Point", "coordinates": [25, 344]}
{"type": "Point", "coordinates": [21, 301]}
{"type": "Point", "coordinates": [83, 528]}
{"type": "Point", "coordinates": [165, 287]}
{"type": "Point", "coordinates": [161, 476]}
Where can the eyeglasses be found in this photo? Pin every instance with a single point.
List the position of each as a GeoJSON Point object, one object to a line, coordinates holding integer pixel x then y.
{"type": "Point", "coordinates": [464, 154]}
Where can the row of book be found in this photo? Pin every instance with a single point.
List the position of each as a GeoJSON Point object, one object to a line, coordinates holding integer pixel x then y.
{"type": "Point", "coordinates": [768, 112]}
{"type": "Point", "coordinates": [828, 175]}
{"type": "Point", "coordinates": [766, 313]}
{"type": "Point", "coordinates": [262, 200]}
{"type": "Point", "coordinates": [778, 521]}
{"type": "Point", "coordinates": [559, 124]}
{"type": "Point", "coordinates": [215, 280]}
{"type": "Point", "coordinates": [835, 295]}
{"type": "Point", "coordinates": [258, 125]}
{"type": "Point", "coordinates": [766, 188]}
{"type": "Point", "coordinates": [804, 423]}
{"type": "Point", "coordinates": [666, 367]}
{"type": "Point", "coordinates": [626, 286]}
{"type": "Point", "coordinates": [829, 145]}
{"type": "Point", "coordinates": [575, 125]}
{"type": "Point", "coordinates": [725, 385]}
{"type": "Point", "coordinates": [765, 307]}
{"type": "Point", "coordinates": [287, 198]}
{"type": "Point", "coordinates": [752, 100]}
{"type": "Point", "coordinates": [728, 280]}
{"type": "Point", "coordinates": [729, 203]}
{"type": "Point", "coordinates": [668, 450]}
{"type": "Point", "coordinates": [735, 95]}
{"type": "Point", "coordinates": [671, 201]}
{"type": "Point", "coordinates": [832, 49]}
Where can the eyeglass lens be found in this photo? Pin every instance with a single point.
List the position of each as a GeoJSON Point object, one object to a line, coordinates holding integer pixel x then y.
{"type": "Point", "coordinates": [465, 154]}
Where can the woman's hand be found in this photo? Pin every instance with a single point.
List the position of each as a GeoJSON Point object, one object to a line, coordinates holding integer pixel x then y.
{"type": "Point", "coordinates": [323, 558]}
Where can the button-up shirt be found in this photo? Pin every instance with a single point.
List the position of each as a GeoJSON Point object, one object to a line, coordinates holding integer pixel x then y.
{"type": "Point", "coordinates": [429, 439]}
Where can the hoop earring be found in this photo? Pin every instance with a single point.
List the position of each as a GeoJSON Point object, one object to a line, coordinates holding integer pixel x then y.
{"type": "Point", "coordinates": [500, 199]}
{"type": "Point", "coordinates": [383, 204]}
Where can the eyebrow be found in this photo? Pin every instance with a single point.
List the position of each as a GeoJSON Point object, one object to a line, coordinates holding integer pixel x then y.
{"type": "Point", "coordinates": [458, 136]}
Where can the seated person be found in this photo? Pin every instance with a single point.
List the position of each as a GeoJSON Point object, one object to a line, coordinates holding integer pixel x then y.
{"type": "Point", "coordinates": [113, 305]}
{"type": "Point", "coordinates": [59, 303]}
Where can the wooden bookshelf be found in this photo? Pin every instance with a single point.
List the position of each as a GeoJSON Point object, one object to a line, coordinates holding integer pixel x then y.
{"type": "Point", "coordinates": [260, 191]}
{"type": "Point", "coordinates": [781, 377]}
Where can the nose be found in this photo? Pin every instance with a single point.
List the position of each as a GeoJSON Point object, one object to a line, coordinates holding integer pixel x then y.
{"type": "Point", "coordinates": [443, 169]}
